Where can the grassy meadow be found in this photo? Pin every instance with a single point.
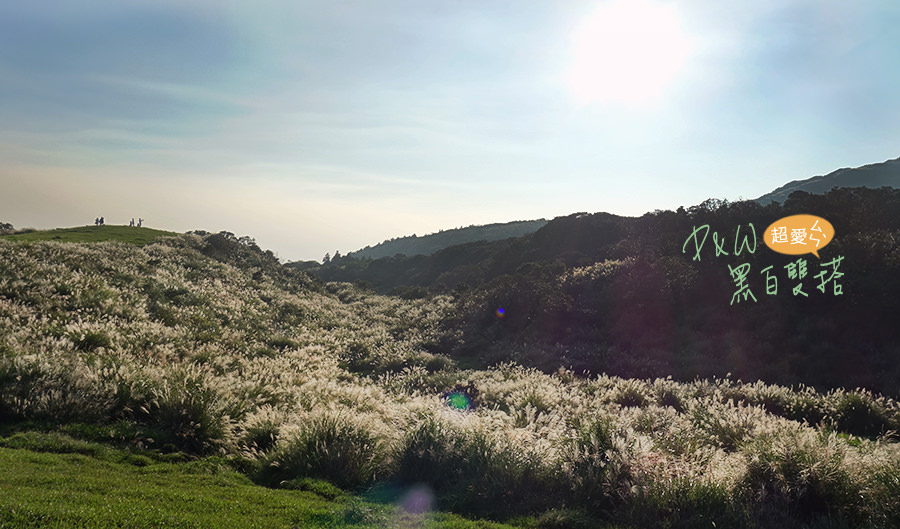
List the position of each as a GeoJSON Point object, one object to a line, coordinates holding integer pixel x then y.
{"type": "Point", "coordinates": [194, 381]}
{"type": "Point", "coordinates": [129, 234]}
{"type": "Point", "coordinates": [63, 482]}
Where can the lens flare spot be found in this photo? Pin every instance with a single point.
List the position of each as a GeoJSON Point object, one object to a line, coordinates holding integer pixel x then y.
{"type": "Point", "coordinates": [418, 500]}
{"type": "Point", "coordinates": [459, 401]}
{"type": "Point", "coordinates": [500, 312]}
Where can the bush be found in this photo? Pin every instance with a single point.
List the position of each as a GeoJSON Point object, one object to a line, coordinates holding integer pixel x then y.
{"type": "Point", "coordinates": [91, 341]}
{"type": "Point", "coordinates": [358, 357]}
{"type": "Point", "coordinates": [683, 502]}
{"type": "Point", "coordinates": [187, 409]}
{"type": "Point", "coordinates": [727, 427]}
{"type": "Point", "coordinates": [885, 490]}
{"type": "Point", "coordinates": [426, 453]}
{"type": "Point", "coordinates": [595, 462]}
{"type": "Point", "coordinates": [667, 396]}
{"type": "Point", "coordinates": [630, 394]}
{"type": "Point", "coordinates": [329, 447]}
{"type": "Point", "coordinates": [474, 473]}
{"type": "Point", "coordinates": [859, 413]}
{"type": "Point", "coordinates": [801, 475]}
{"type": "Point", "coordinates": [261, 431]}
{"type": "Point", "coordinates": [55, 389]}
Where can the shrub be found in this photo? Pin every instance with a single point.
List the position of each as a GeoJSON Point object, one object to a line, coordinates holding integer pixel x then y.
{"type": "Point", "coordinates": [595, 463]}
{"type": "Point", "coordinates": [805, 405]}
{"type": "Point", "coordinates": [683, 502]}
{"type": "Point", "coordinates": [667, 396]}
{"type": "Point", "coordinates": [727, 426]}
{"type": "Point", "coordinates": [427, 452]}
{"type": "Point", "coordinates": [282, 343]}
{"type": "Point", "coordinates": [630, 394]}
{"type": "Point", "coordinates": [261, 436]}
{"type": "Point", "coordinates": [358, 357]}
{"type": "Point", "coordinates": [473, 472]}
{"type": "Point", "coordinates": [329, 447]}
{"type": "Point", "coordinates": [55, 389]}
{"type": "Point", "coordinates": [803, 475]}
{"type": "Point", "coordinates": [91, 341]}
{"type": "Point", "coordinates": [187, 409]}
{"type": "Point", "coordinates": [884, 492]}
{"type": "Point", "coordinates": [261, 430]}
{"type": "Point", "coordinates": [859, 413]}
{"type": "Point", "coordinates": [435, 363]}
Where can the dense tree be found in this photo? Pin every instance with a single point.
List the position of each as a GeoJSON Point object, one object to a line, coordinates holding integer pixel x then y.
{"type": "Point", "coordinates": [626, 296]}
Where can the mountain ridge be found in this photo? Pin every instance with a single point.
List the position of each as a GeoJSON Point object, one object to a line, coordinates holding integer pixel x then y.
{"type": "Point", "coordinates": [872, 175]}
{"type": "Point", "coordinates": [412, 245]}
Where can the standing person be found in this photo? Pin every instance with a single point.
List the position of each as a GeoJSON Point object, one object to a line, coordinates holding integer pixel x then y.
{"type": "Point", "coordinates": [96, 221]}
{"type": "Point", "coordinates": [140, 221]}
{"type": "Point", "coordinates": [101, 221]}
{"type": "Point", "coordinates": [132, 221]}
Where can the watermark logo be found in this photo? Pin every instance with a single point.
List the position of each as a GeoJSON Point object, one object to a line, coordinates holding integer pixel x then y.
{"type": "Point", "coordinates": [799, 234]}
{"type": "Point", "coordinates": [793, 235]}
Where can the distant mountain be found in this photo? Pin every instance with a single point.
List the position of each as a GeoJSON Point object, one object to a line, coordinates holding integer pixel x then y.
{"type": "Point", "coordinates": [873, 176]}
{"type": "Point", "coordinates": [429, 244]}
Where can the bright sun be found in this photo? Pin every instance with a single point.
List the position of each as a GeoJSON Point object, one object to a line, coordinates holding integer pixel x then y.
{"type": "Point", "coordinates": [626, 51]}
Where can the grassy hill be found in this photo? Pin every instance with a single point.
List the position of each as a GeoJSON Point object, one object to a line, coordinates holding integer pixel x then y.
{"type": "Point", "coordinates": [129, 234]}
{"type": "Point", "coordinates": [212, 371]}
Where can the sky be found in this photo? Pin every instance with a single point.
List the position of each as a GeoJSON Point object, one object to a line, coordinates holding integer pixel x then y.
{"type": "Point", "coordinates": [321, 126]}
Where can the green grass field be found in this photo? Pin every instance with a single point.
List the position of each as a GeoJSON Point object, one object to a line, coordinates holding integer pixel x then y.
{"type": "Point", "coordinates": [157, 386]}
{"type": "Point", "coordinates": [52, 480]}
{"type": "Point", "coordinates": [129, 234]}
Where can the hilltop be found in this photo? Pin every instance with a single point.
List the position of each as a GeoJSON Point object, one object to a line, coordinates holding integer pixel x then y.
{"type": "Point", "coordinates": [204, 346]}
{"type": "Point", "coordinates": [129, 234]}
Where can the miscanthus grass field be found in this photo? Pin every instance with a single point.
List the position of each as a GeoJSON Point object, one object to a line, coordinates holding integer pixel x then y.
{"type": "Point", "coordinates": [259, 390]}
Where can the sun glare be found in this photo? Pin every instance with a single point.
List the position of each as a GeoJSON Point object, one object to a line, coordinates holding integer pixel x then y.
{"type": "Point", "coordinates": [626, 51]}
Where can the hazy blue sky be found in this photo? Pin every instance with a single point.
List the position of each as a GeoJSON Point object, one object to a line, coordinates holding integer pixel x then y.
{"type": "Point", "coordinates": [315, 126]}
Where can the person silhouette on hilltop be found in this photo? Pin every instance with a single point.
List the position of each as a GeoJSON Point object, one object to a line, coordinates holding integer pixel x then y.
{"type": "Point", "coordinates": [132, 222]}
{"type": "Point", "coordinates": [101, 221]}
{"type": "Point", "coordinates": [97, 221]}
{"type": "Point", "coordinates": [140, 222]}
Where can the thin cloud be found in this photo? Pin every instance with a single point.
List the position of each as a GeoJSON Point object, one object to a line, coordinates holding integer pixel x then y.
{"type": "Point", "coordinates": [180, 91]}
